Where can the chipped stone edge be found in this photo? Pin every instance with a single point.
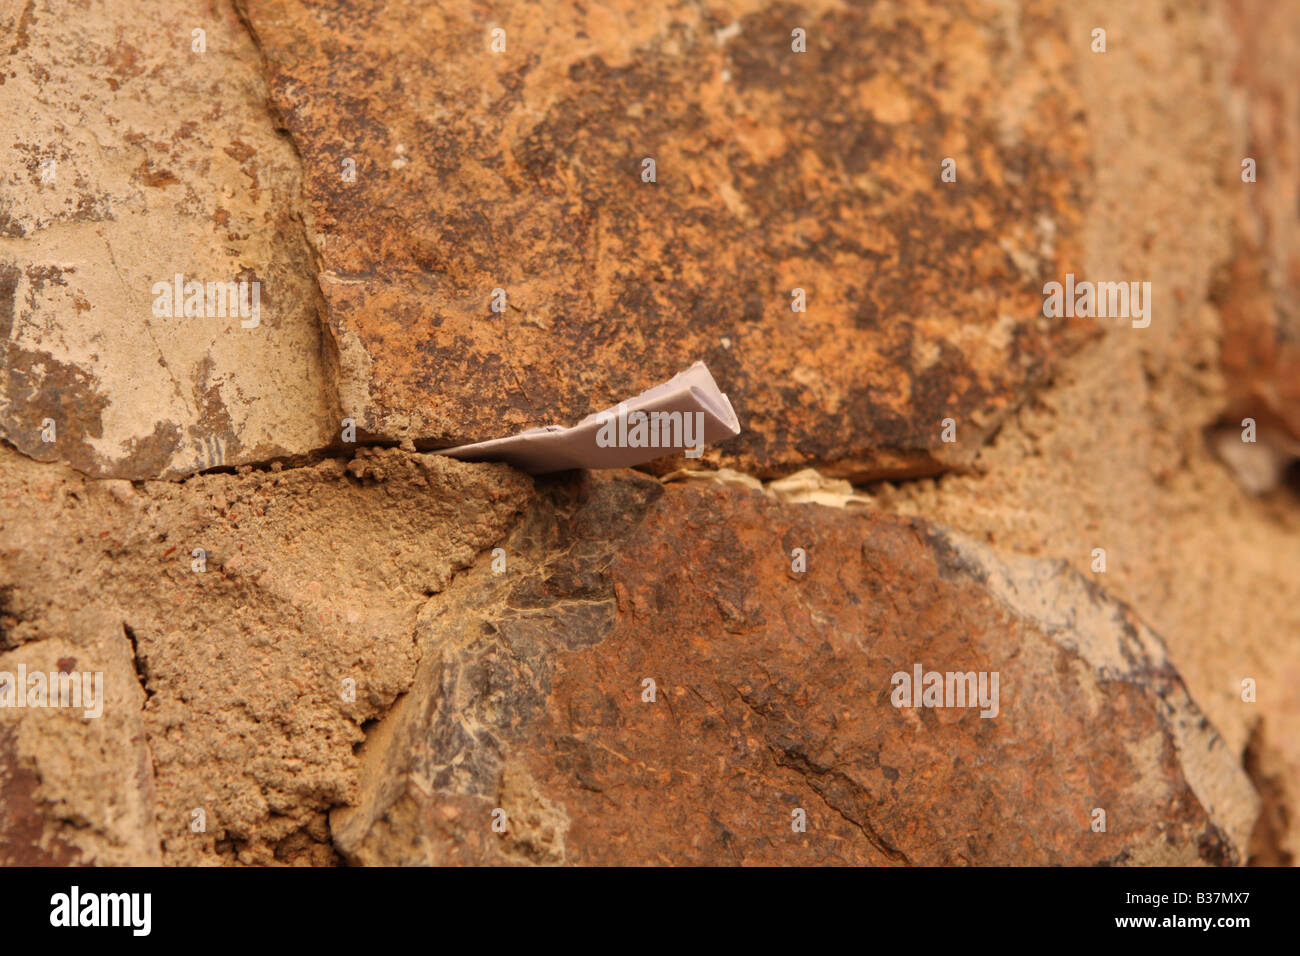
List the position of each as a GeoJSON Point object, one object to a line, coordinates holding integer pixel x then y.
{"type": "Point", "coordinates": [1081, 617]}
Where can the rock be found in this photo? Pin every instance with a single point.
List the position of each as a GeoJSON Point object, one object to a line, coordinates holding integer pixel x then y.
{"type": "Point", "coordinates": [251, 677]}
{"type": "Point", "coordinates": [135, 159]}
{"type": "Point", "coordinates": [774, 692]}
{"type": "Point", "coordinates": [810, 487]}
{"type": "Point", "coordinates": [75, 790]}
{"type": "Point", "coordinates": [456, 171]}
{"type": "Point", "coordinates": [1257, 289]}
{"type": "Point", "coordinates": [500, 634]}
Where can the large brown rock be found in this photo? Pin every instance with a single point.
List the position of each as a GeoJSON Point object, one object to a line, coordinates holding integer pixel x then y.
{"type": "Point", "coordinates": [775, 170]}
{"type": "Point", "coordinates": [773, 694]}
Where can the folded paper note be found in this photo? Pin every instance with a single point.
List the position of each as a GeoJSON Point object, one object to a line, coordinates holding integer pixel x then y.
{"type": "Point", "coordinates": [683, 414]}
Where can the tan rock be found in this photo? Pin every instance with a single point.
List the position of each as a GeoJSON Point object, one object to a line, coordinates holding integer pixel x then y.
{"type": "Point", "coordinates": [76, 782]}
{"type": "Point", "coordinates": [257, 670]}
{"type": "Point", "coordinates": [1257, 290]}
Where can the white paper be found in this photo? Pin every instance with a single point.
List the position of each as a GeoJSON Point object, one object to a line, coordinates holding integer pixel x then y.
{"type": "Point", "coordinates": [680, 416]}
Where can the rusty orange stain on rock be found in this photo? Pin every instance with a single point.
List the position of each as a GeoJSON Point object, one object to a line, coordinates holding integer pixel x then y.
{"type": "Point", "coordinates": [775, 170]}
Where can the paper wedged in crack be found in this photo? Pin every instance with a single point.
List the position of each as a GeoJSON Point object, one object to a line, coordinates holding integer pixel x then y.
{"type": "Point", "coordinates": [555, 448]}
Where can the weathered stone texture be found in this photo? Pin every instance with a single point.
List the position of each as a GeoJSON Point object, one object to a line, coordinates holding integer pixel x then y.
{"type": "Point", "coordinates": [775, 170]}
{"type": "Point", "coordinates": [480, 688]}
{"type": "Point", "coordinates": [165, 161]}
{"type": "Point", "coordinates": [774, 693]}
{"type": "Point", "coordinates": [313, 577]}
{"type": "Point", "coordinates": [1258, 291]}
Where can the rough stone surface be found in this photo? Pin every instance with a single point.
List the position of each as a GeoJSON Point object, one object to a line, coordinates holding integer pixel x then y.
{"type": "Point", "coordinates": [1114, 454]}
{"type": "Point", "coordinates": [76, 790]}
{"type": "Point", "coordinates": [1258, 291]}
{"type": "Point", "coordinates": [775, 170]}
{"type": "Point", "coordinates": [165, 162]}
{"type": "Point", "coordinates": [312, 577]}
{"type": "Point", "coordinates": [520, 170]}
{"type": "Point", "coordinates": [773, 693]}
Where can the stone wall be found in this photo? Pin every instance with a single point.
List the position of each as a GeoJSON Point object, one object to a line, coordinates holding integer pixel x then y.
{"type": "Point", "coordinates": [320, 643]}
